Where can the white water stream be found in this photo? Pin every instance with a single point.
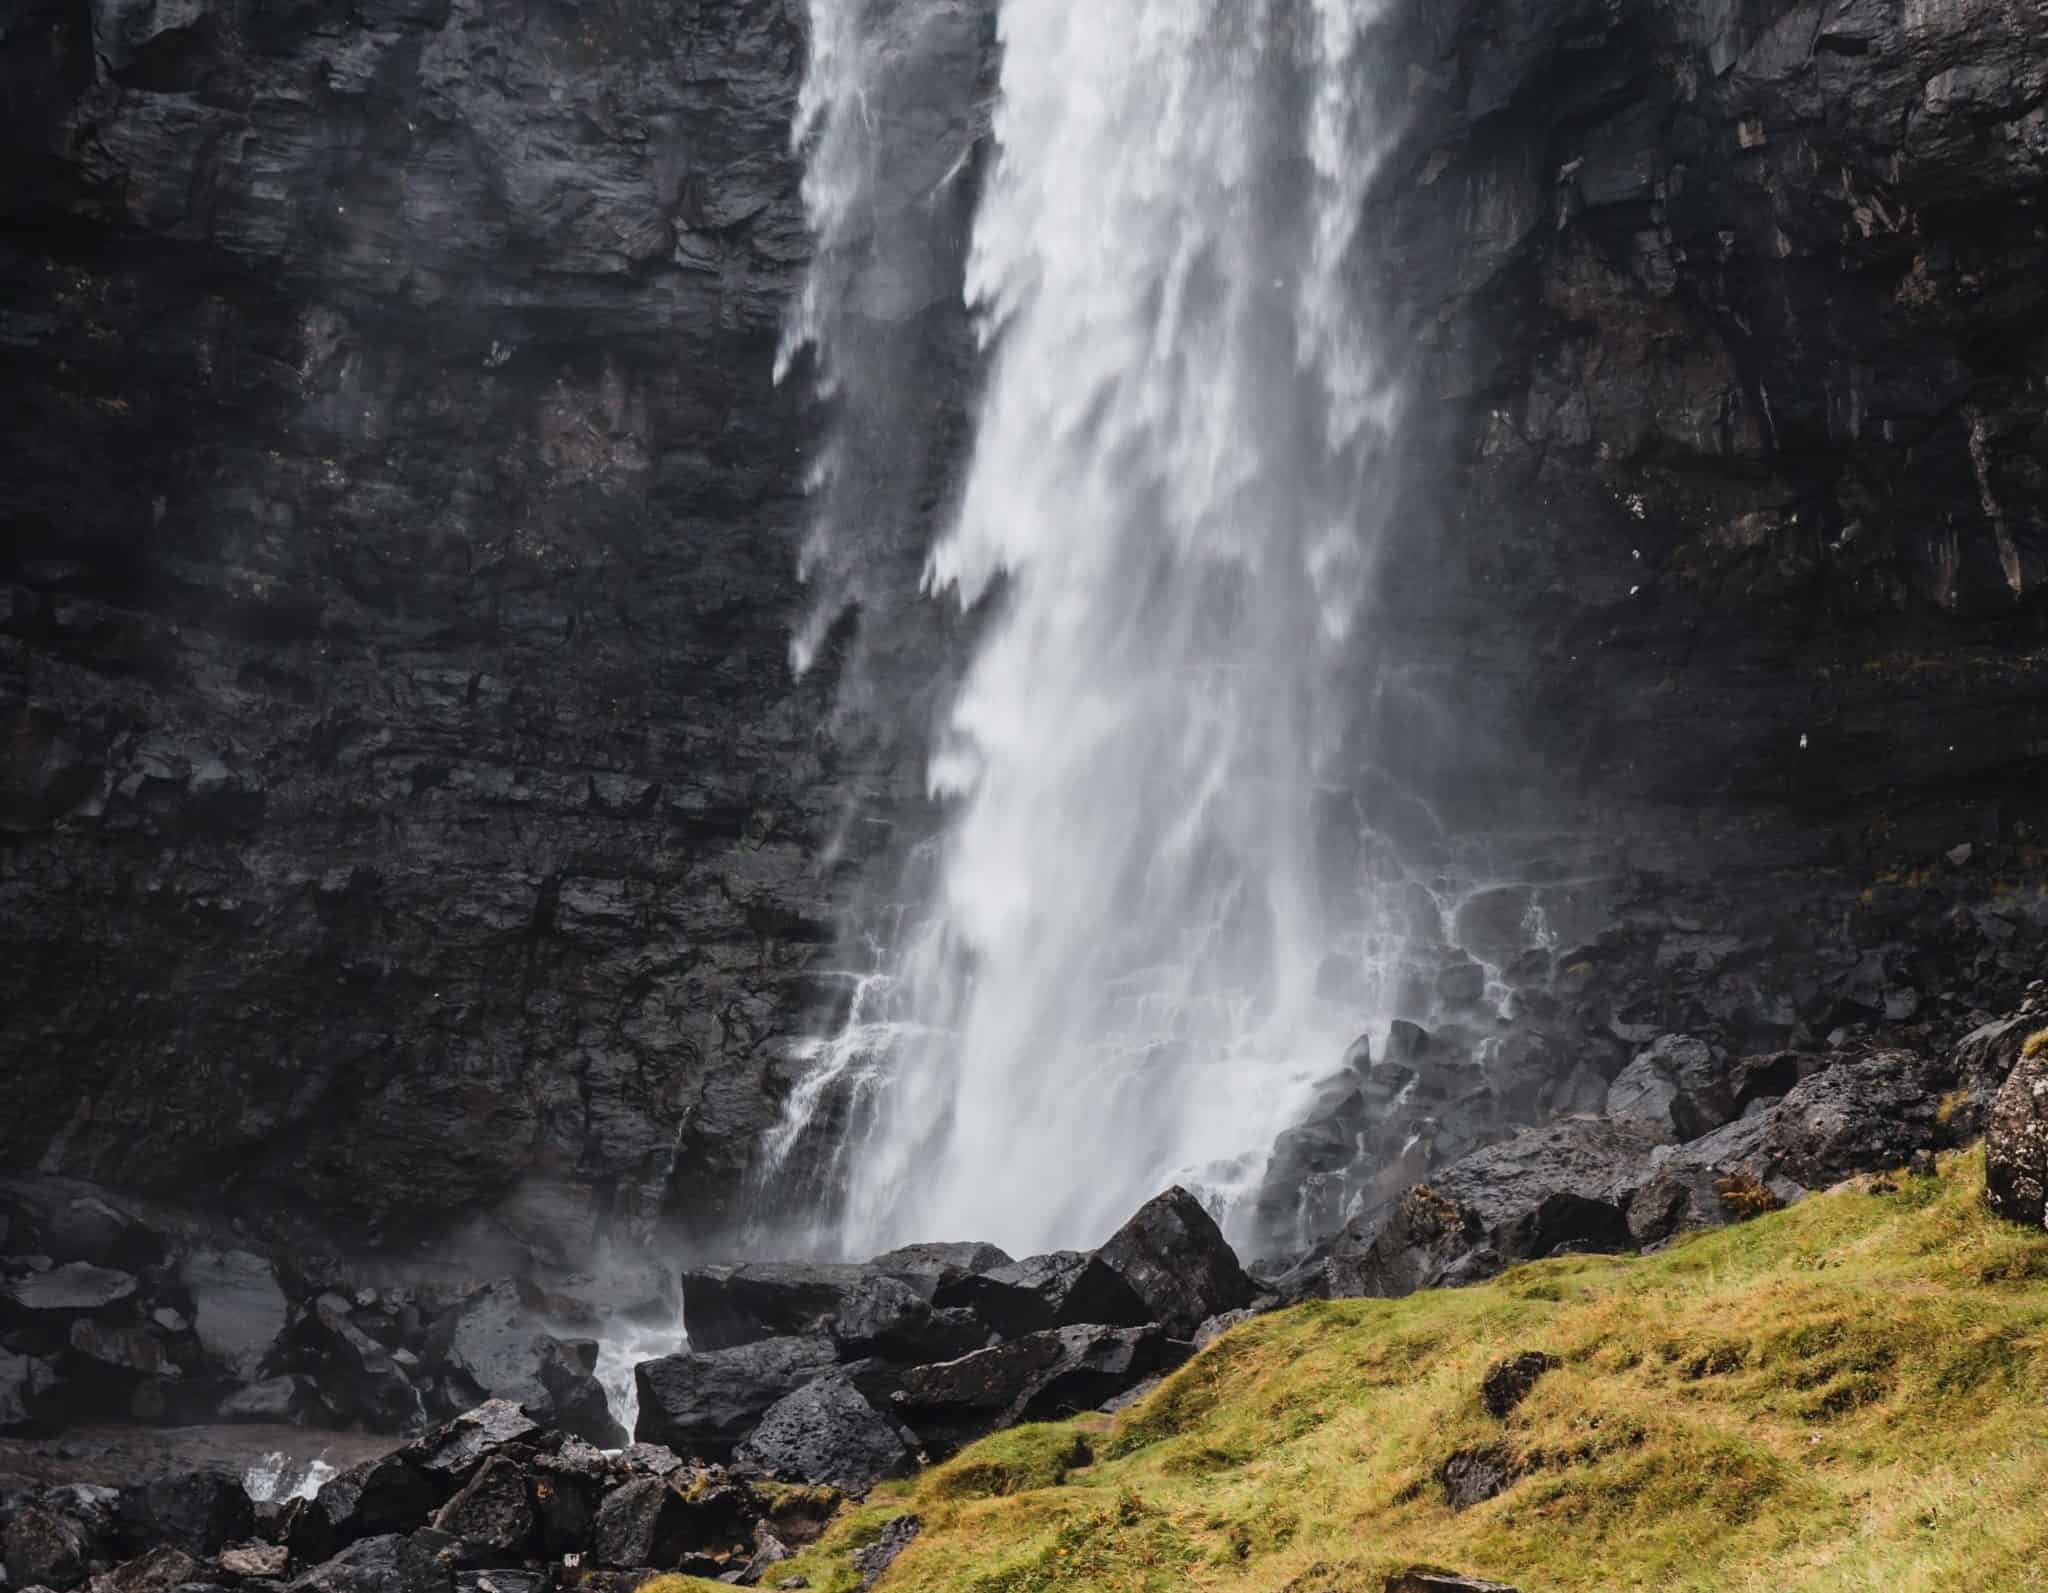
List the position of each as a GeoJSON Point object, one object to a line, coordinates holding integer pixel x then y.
{"type": "Point", "coordinates": [1171, 508]}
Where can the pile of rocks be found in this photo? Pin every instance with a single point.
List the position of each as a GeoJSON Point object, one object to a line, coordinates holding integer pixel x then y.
{"type": "Point", "coordinates": [805, 1384]}
{"type": "Point", "coordinates": [111, 1311]}
{"type": "Point", "coordinates": [492, 1502]}
{"type": "Point", "coordinates": [844, 1375]}
{"type": "Point", "coordinates": [1685, 1137]}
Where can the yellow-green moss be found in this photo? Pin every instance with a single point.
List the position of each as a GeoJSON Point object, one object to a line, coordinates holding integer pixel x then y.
{"type": "Point", "coordinates": [1845, 1395]}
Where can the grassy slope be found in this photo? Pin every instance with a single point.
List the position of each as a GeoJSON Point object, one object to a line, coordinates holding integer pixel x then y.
{"type": "Point", "coordinates": [1845, 1395]}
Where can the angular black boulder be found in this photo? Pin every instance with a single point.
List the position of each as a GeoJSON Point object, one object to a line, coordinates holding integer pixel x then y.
{"type": "Point", "coordinates": [200, 1513]}
{"type": "Point", "coordinates": [827, 1433]}
{"type": "Point", "coordinates": [375, 1498]}
{"type": "Point", "coordinates": [1176, 1260]}
{"type": "Point", "coordinates": [498, 1345]}
{"type": "Point", "coordinates": [44, 1548]}
{"type": "Point", "coordinates": [1064, 1289]}
{"type": "Point", "coordinates": [727, 1307]}
{"type": "Point", "coordinates": [493, 1514]}
{"type": "Point", "coordinates": [1040, 1377]}
{"type": "Point", "coordinates": [656, 1521]}
{"type": "Point", "coordinates": [1864, 1114]}
{"type": "Point", "coordinates": [894, 1319]}
{"type": "Point", "coordinates": [704, 1404]}
{"type": "Point", "coordinates": [939, 1261]}
{"type": "Point", "coordinates": [73, 1290]}
{"type": "Point", "coordinates": [452, 1452]}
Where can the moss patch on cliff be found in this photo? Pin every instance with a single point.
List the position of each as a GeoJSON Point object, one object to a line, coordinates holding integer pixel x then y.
{"type": "Point", "coordinates": [1845, 1395]}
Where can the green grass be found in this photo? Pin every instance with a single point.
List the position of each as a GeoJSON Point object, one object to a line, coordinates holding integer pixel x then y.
{"type": "Point", "coordinates": [1845, 1395]}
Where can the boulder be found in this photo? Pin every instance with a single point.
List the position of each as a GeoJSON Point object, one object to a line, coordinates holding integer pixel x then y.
{"type": "Point", "coordinates": [1064, 1289]}
{"type": "Point", "coordinates": [494, 1511]}
{"type": "Point", "coordinates": [654, 1521]}
{"type": "Point", "coordinates": [158, 1571]}
{"type": "Point", "coordinates": [199, 1512]}
{"type": "Point", "coordinates": [704, 1403]}
{"type": "Point", "coordinates": [940, 1262]}
{"type": "Point", "coordinates": [75, 1289]}
{"type": "Point", "coordinates": [44, 1547]}
{"type": "Point", "coordinates": [1683, 1190]}
{"type": "Point", "coordinates": [453, 1451]}
{"type": "Point", "coordinates": [289, 1400]}
{"type": "Point", "coordinates": [1673, 1091]}
{"type": "Point", "coordinates": [568, 1486]}
{"type": "Point", "coordinates": [1040, 1377]}
{"type": "Point", "coordinates": [1985, 1058]}
{"type": "Point", "coordinates": [387, 1563]}
{"type": "Point", "coordinates": [124, 1351]}
{"type": "Point", "coordinates": [826, 1432]}
{"type": "Point", "coordinates": [1864, 1114]}
{"type": "Point", "coordinates": [2016, 1144]}
{"type": "Point", "coordinates": [356, 1374]}
{"type": "Point", "coordinates": [495, 1345]}
{"type": "Point", "coordinates": [239, 1310]}
{"type": "Point", "coordinates": [1176, 1260]}
{"type": "Point", "coordinates": [730, 1306]}
{"type": "Point", "coordinates": [1558, 1189]}
{"type": "Point", "coordinates": [1413, 1245]}
{"type": "Point", "coordinates": [373, 1499]}
{"type": "Point", "coordinates": [88, 1228]}
{"type": "Point", "coordinates": [889, 1317]}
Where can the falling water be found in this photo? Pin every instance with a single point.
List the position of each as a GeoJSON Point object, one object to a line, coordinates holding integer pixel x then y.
{"type": "Point", "coordinates": [1169, 515]}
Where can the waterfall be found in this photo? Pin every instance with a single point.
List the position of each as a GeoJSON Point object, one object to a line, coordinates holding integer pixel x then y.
{"type": "Point", "coordinates": [1167, 525]}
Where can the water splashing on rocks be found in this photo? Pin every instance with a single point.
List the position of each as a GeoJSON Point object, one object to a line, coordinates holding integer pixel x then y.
{"type": "Point", "coordinates": [1167, 526]}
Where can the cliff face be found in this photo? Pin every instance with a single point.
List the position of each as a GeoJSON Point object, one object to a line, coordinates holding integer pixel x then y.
{"type": "Point", "coordinates": [406, 810]}
{"type": "Point", "coordinates": [1724, 497]}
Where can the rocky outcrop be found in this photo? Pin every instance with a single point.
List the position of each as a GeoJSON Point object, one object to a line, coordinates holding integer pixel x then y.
{"type": "Point", "coordinates": [1591, 1184]}
{"type": "Point", "coordinates": [1711, 568]}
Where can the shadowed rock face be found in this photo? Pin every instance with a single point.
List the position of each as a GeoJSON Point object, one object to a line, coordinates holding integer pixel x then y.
{"type": "Point", "coordinates": [406, 811]}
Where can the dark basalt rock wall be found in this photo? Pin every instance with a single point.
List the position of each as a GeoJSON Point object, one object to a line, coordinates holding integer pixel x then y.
{"type": "Point", "coordinates": [406, 810]}
{"type": "Point", "coordinates": [1733, 317]}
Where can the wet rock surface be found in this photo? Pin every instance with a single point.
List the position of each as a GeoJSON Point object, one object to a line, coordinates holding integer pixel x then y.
{"type": "Point", "coordinates": [705, 1403]}
{"type": "Point", "coordinates": [1176, 1261]}
{"type": "Point", "coordinates": [828, 1433]}
{"type": "Point", "coordinates": [411, 819]}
